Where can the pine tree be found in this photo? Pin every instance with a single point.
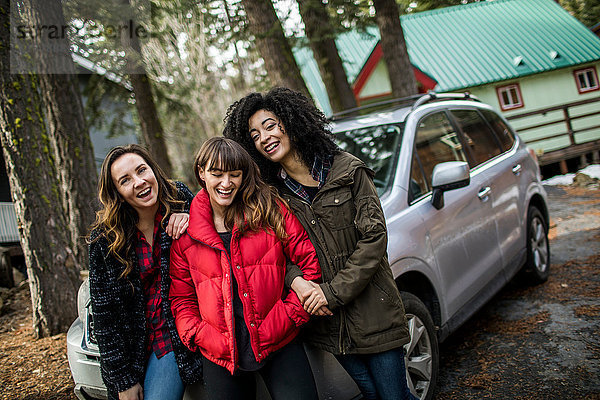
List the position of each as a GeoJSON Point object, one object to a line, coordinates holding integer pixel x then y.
{"type": "Point", "coordinates": [37, 193]}
{"type": "Point", "coordinates": [396, 58]}
{"type": "Point", "coordinates": [321, 35]}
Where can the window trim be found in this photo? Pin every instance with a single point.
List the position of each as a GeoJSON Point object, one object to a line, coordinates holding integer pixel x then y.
{"type": "Point", "coordinates": [496, 134]}
{"type": "Point", "coordinates": [576, 74]}
{"type": "Point", "coordinates": [467, 149]}
{"type": "Point", "coordinates": [416, 157]}
{"type": "Point", "coordinates": [509, 107]}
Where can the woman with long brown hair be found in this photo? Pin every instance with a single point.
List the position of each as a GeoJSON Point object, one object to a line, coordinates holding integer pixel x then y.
{"type": "Point", "coordinates": [228, 272]}
{"type": "Point", "coordinates": [141, 354]}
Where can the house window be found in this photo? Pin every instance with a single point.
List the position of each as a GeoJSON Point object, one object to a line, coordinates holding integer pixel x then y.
{"type": "Point", "coordinates": [510, 97]}
{"type": "Point", "coordinates": [586, 80]}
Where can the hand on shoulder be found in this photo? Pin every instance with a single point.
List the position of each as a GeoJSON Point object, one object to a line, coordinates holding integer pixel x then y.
{"type": "Point", "coordinates": [178, 223]}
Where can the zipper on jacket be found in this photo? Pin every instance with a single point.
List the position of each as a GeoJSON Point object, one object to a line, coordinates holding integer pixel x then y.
{"type": "Point", "coordinates": [232, 312]}
{"type": "Point", "coordinates": [231, 293]}
{"type": "Point", "coordinates": [345, 340]}
{"type": "Point", "coordinates": [342, 346]}
{"type": "Point", "coordinates": [234, 236]}
{"type": "Point", "coordinates": [318, 235]}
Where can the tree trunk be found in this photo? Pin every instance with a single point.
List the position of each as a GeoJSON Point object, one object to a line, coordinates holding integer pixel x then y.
{"type": "Point", "coordinates": [273, 46]}
{"type": "Point", "coordinates": [66, 126]}
{"type": "Point", "coordinates": [321, 35]}
{"type": "Point", "coordinates": [36, 192]}
{"type": "Point", "coordinates": [240, 62]}
{"type": "Point", "coordinates": [152, 130]}
{"type": "Point", "coordinates": [402, 77]}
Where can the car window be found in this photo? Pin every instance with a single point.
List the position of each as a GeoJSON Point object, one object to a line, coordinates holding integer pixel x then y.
{"type": "Point", "coordinates": [376, 146]}
{"type": "Point", "coordinates": [435, 142]}
{"type": "Point", "coordinates": [478, 137]}
{"type": "Point", "coordinates": [503, 132]}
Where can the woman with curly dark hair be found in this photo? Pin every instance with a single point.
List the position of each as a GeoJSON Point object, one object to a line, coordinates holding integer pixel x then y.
{"type": "Point", "coordinates": [359, 317]}
{"type": "Point", "coordinates": [141, 354]}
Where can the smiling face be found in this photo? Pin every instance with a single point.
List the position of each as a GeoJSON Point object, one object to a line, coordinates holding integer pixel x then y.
{"type": "Point", "coordinates": [222, 186]}
{"type": "Point", "coordinates": [269, 137]}
{"type": "Point", "coordinates": [135, 181]}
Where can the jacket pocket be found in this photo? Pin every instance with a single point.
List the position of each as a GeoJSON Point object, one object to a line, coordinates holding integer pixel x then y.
{"type": "Point", "coordinates": [376, 311]}
{"type": "Point", "coordinates": [337, 209]}
{"type": "Point", "coordinates": [386, 295]}
{"type": "Point", "coordinates": [277, 327]}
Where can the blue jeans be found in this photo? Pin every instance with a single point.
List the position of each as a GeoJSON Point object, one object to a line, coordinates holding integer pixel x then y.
{"type": "Point", "coordinates": [379, 376]}
{"type": "Point", "coordinates": [162, 381]}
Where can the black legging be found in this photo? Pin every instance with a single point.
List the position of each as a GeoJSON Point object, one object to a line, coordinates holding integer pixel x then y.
{"type": "Point", "coordinates": [287, 375]}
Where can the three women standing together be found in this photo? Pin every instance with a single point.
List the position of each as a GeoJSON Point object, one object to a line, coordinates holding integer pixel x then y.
{"type": "Point", "coordinates": [247, 244]}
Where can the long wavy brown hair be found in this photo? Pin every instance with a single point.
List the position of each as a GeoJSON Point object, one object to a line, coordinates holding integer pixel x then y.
{"type": "Point", "coordinates": [117, 219]}
{"type": "Point", "coordinates": [256, 205]}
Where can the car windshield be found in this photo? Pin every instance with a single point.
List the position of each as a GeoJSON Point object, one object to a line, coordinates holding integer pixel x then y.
{"type": "Point", "coordinates": [377, 147]}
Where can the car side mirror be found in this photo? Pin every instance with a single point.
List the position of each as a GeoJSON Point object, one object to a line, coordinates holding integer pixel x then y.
{"type": "Point", "coordinates": [448, 176]}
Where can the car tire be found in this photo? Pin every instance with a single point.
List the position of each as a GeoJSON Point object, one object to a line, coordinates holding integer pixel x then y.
{"type": "Point", "coordinates": [422, 353]}
{"type": "Point", "coordinates": [537, 266]}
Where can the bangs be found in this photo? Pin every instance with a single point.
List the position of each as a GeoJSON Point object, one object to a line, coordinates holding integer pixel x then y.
{"type": "Point", "coordinates": [225, 156]}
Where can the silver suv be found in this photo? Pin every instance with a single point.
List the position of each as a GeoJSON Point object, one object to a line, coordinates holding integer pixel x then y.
{"type": "Point", "coordinates": [465, 210]}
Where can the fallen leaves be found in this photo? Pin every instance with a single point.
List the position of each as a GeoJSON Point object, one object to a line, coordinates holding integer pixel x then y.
{"type": "Point", "coordinates": [29, 368]}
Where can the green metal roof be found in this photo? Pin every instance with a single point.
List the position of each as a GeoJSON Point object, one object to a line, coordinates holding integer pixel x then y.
{"type": "Point", "coordinates": [475, 44]}
{"type": "Point", "coordinates": [354, 49]}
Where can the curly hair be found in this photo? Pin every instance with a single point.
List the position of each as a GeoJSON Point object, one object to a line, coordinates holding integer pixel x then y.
{"type": "Point", "coordinates": [117, 219]}
{"type": "Point", "coordinates": [304, 123]}
{"type": "Point", "coordinates": [257, 204]}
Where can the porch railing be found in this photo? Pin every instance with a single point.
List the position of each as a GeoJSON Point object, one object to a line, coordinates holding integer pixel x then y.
{"type": "Point", "coordinates": [567, 118]}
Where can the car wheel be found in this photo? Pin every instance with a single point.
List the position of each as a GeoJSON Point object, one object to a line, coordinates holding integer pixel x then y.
{"type": "Point", "coordinates": [422, 355]}
{"type": "Point", "coordinates": [537, 266]}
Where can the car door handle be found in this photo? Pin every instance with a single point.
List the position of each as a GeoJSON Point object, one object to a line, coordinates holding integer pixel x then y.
{"type": "Point", "coordinates": [516, 169]}
{"type": "Point", "coordinates": [484, 192]}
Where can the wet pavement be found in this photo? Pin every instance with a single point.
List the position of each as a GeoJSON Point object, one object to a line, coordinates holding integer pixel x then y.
{"type": "Point", "coordinates": [540, 342]}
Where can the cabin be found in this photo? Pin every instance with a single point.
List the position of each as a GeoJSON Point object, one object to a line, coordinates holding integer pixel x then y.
{"type": "Point", "coordinates": [530, 59]}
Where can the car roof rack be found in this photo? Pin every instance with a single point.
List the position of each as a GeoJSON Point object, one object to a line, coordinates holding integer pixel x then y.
{"type": "Point", "coordinates": [399, 101]}
{"type": "Point", "coordinates": [414, 100]}
{"type": "Point", "coordinates": [433, 96]}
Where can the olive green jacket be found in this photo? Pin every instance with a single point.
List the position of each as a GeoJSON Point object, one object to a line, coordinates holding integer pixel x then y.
{"type": "Point", "coordinates": [345, 223]}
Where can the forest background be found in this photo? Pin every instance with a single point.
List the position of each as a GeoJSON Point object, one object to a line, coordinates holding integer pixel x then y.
{"type": "Point", "coordinates": [176, 76]}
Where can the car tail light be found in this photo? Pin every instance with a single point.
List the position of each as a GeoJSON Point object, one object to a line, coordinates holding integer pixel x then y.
{"type": "Point", "coordinates": [91, 336]}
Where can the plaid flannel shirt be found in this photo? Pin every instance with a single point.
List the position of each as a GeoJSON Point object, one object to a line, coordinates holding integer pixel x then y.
{"type": "Point", "coordinates": [159, 340]}
{"type": "Point", "coordinates": [319, 172]}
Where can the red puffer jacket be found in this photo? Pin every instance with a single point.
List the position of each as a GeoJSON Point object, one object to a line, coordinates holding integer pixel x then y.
{"type": "Point", "coordinates": [201, 290]}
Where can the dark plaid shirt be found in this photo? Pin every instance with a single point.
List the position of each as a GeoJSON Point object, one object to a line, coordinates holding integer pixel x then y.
{"type": "Point", "coordinates": [319, 172]}
{"type": "Point", "coordinates": [159, 340]}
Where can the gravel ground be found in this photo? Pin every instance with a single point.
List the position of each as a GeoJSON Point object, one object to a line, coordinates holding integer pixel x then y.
{"type": "Point", "coordinates": [527, 343]}
{"type": "Point", "coordinates": [542, 341]}
{"type": "Point", "coordinates": [30, 369]}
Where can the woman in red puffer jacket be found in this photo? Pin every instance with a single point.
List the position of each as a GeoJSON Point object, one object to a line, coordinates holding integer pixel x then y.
{"type": "Point", "coordinates": [228, 270]}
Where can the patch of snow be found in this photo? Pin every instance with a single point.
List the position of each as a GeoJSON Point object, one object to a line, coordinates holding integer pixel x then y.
{"type": "Point", "coordinates": [592, 171]}
{"type": "Point", "coordinates": [567, 179]}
